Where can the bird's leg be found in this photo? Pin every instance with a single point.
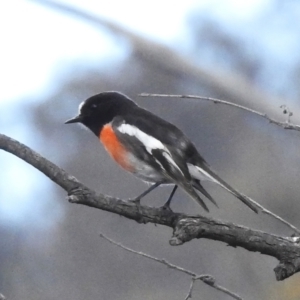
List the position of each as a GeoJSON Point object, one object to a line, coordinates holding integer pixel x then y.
{"type": "Point", "coordinates": [151, 188]}
{"type": "Point", "coordinates": [167, 204]}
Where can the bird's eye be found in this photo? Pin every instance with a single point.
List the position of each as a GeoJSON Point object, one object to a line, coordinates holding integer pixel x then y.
{"type": "Point", "coordinates": [94, 105]}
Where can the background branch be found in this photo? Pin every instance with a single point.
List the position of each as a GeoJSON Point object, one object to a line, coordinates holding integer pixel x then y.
{"type": "Point", "coordinates": [285, 125]}
{"type": "Point", "coordinates": [168, 61]}
{"type": "Point", "coordinates": [185, 227]}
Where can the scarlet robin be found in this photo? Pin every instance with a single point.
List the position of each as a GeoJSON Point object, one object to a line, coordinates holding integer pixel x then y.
{"type": "Point", "coordinates": [149, 147]}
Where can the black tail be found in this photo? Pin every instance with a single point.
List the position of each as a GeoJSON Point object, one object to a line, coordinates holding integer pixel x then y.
{"type": "Point", "coordinates": [205, 170]}
{"type": "Point", "coordinates": [197, 185]}
{"type": "Point", "coordinates": [188, 188]}
{"type": "Point", "coordinates": [233, 191]}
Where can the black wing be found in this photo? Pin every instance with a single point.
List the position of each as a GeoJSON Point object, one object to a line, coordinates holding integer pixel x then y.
{"type": "Point", "coordinates": [149, 148]}
{"type": "Point", "coordinates": [164, 131]}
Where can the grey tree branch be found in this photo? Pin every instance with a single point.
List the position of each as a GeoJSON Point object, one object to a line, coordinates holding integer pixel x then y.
{"type": "Point", "coordinates": [185, 227]}
{"type": "Point", "coordinates": [208, 279]}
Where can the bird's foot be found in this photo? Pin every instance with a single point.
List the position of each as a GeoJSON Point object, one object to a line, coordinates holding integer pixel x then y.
{"type": "Point", "coordinates": [166, 207]}
{"type": "Point", "coordinates": [136, 201]}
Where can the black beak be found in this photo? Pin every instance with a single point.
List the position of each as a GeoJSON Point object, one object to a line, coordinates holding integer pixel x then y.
{"type": "Point", "coordinates": [76, 119]}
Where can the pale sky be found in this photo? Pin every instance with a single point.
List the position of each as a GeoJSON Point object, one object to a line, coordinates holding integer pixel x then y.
{"type": "Point", "coordinates": [36, 40]}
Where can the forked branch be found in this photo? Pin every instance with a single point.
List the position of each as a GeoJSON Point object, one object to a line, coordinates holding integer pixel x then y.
{"type": "Point", "coordinates": [208, 279]}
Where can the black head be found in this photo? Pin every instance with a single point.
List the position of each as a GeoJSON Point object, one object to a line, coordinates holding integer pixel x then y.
{"type": "Point", "coordinates": [100, 109]}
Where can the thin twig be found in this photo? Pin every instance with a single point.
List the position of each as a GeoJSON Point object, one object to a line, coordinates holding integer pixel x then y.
{"type": "Point", "coordinates": [268, 212]}
{"type": "Point", "coordinates": [2, 297]}
{"type": "Point", "coordinates": [285, 125]}
{"type": "Point", "coordinates": [162, 261]}
{"type": "Point", "coordinates": [189, 294]}
{"type": "Point", "coordinates": [208, 279]}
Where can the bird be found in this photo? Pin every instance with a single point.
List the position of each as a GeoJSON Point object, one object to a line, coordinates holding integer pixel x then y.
{"type": "Point", "coordinates": [149, 147]}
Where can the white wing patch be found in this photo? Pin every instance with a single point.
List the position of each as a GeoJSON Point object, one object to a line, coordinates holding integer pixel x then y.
{"type": "Point", "coordinates": [149, 142]}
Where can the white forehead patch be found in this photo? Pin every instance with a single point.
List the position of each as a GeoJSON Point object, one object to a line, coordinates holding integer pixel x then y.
{"type": "Point", "coordinates": [80, 107]}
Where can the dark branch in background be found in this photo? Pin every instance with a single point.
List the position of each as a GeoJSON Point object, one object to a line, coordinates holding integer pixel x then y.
{"type": "Point", "coordinates": [167, 61]}
{"type": "Point", "coordinates": [208, 279]}
{"type": "Point", "coordinates": [285, 125]}
{"type": "Point", "coordinates": [185, 227]}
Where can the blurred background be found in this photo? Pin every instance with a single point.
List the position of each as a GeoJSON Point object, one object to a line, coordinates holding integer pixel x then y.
{"type": "Point", "coordinates": [54, 55]}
